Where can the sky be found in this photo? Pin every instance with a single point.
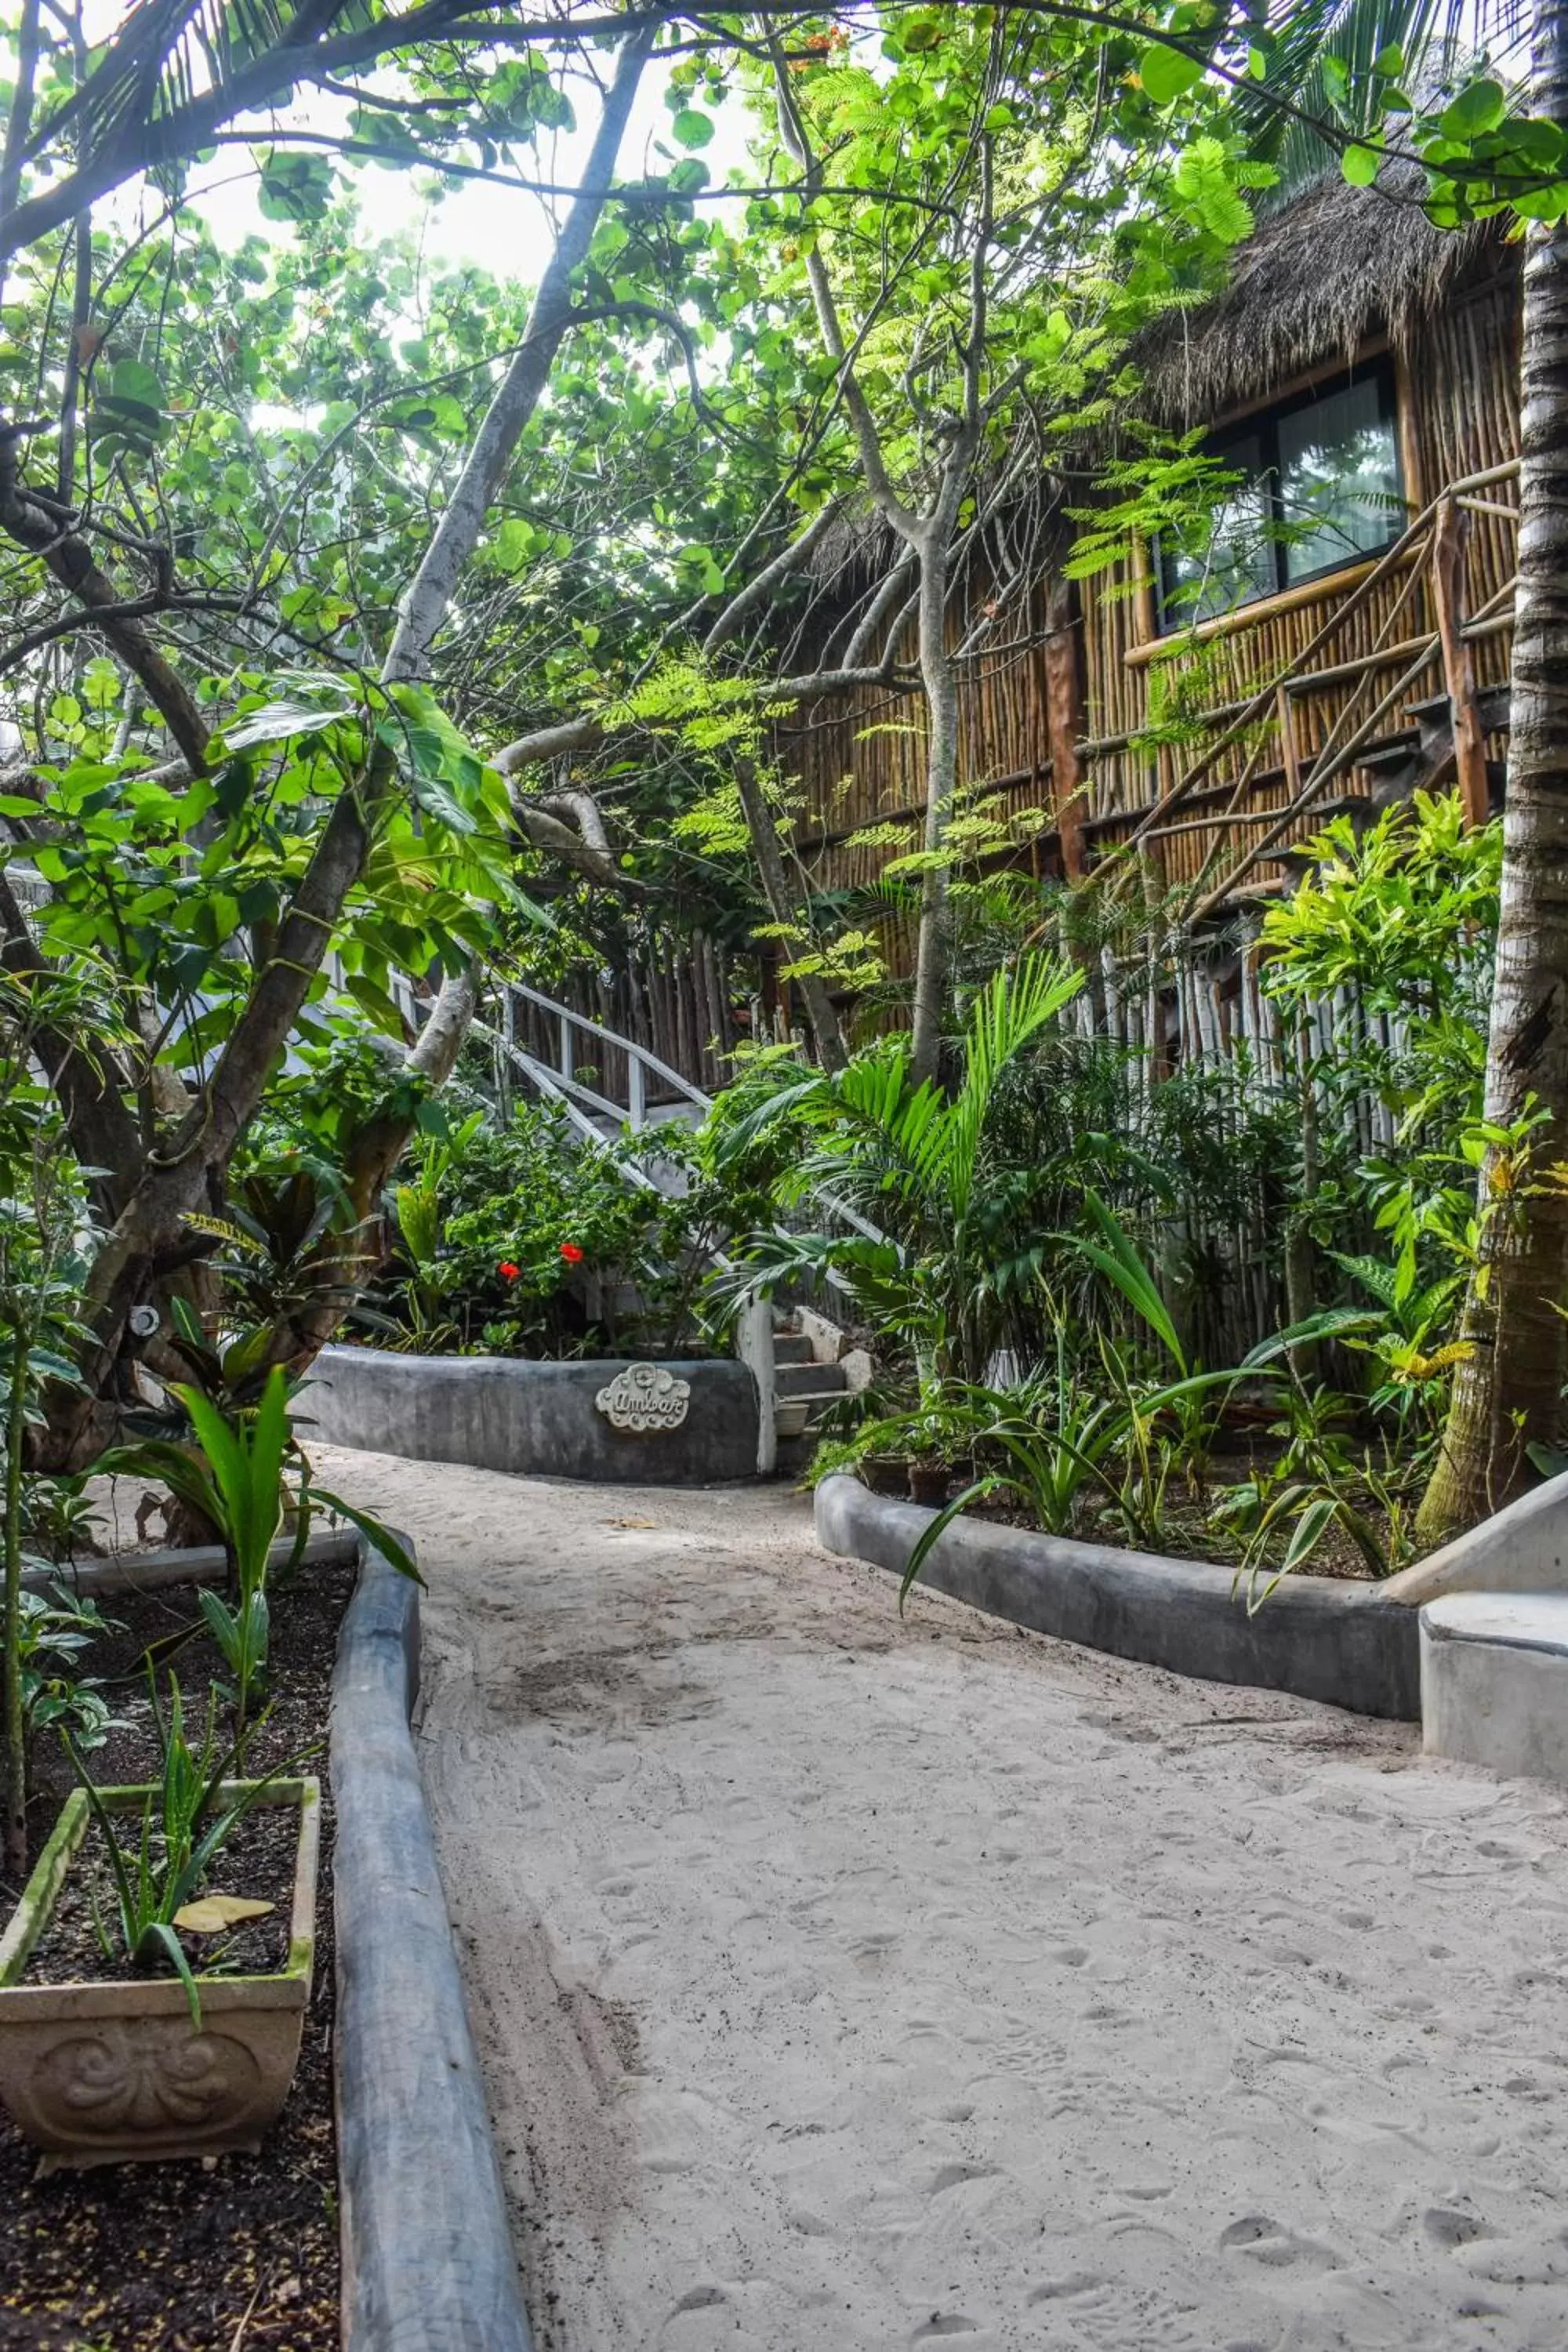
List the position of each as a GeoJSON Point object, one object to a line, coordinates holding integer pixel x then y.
{"type": "Point", "coordinates": [494, 228]}
{"type": "Point", "coordinates": [499, 229]}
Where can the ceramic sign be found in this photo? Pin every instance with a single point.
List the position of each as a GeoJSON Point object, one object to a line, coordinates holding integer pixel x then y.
{"type": "Point", "coordinates": [643, 1398]}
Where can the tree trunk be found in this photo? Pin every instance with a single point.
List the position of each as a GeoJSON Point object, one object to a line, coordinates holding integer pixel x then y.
{"type": "Point", "coordinates": [374, 1152]}
{"type": "Point", "coordinates": [16, 1720]}
{"type": "Point", "coordinates": [782, 906]}
{"type": "Point", "coordinates": [940, 681]}
{"type": "Point", "coordinates": [550, 316]}
{"type": "Point", "coordinates": [1509, 1393]}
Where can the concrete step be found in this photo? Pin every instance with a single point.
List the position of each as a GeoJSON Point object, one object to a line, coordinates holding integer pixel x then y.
{"type": "Point", "coordinates": [1494, 1682]}
{"type": "Point", "coordinates": [791, 1347]}
{"type": "Point", "coordinates": [796, 1419]}
{"type": "Point", "coordinates": [810, 1380]}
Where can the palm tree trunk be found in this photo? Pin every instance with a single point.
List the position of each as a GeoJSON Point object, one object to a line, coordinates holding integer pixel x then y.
{"type": "Point", "coordinates": [1509, 1393]}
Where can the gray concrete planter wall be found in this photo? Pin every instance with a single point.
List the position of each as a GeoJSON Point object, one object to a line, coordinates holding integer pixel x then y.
{"type": "Point", "coordinates": [499, 1413]}
{"type": "Point", "coordinates": [1322, 1639]}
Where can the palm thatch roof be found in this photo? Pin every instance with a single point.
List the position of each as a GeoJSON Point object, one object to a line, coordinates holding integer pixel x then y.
{"type": "Point", "coordinates": [1327, 269]}
{"type": "Point", "coordinates": [1321, 274]}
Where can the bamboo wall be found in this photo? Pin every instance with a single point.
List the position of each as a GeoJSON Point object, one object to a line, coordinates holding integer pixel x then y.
{"type": "Point", "coordinates": [1201, 1009]}
{"type": "Point", "coordinates": [672, 997]}
{"type": "Point", "coordinates": [861, 765]}
{"type": "Point", "coordinates": [860, 759]}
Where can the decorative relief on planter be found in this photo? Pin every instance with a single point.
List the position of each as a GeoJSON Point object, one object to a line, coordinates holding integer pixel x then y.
{"type": "Point", "coordinates": [643, 1399]}
{"type": "Point", "coordinates": [129, 2081]}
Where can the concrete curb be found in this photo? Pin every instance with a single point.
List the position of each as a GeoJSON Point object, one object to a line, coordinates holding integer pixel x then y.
{"type": "Point", "coordinates": [1522, 1549]}
{"type": "Point", "coordinates": [428, 2262]}
{"type": "Point", "coordinates": [1316, 1637]}
{"type": "Point", "coordinates": [538, 1419]}
{"type": "Point", "coordinates": [150, 1571]}
{"type": "Point", "coordinates": [1494, 1677]}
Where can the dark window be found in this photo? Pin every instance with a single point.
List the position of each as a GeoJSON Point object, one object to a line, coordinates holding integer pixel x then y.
{"type": "Point", "coordinates": [1319, 487]}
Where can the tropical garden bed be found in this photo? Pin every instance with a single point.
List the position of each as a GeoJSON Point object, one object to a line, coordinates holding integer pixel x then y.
{"type": "Point", "coordinates": [186, 2253]}
{"type": "Point", "coordinates": [520, 1238]}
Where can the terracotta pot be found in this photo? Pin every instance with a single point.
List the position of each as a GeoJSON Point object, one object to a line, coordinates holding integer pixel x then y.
{"type": "Point", "coordinates": [110, 2073]}
{"type": "Point", "coordinates": [885, 1473]}
{"type": "Point", "coordinates": [929, 1483]}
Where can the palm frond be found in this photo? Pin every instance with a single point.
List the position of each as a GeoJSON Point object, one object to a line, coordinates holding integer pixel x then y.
{"type": "Point", "coordinates": [1433, 37]}
{"type": "Point", "coordinates": [1009, 1012]}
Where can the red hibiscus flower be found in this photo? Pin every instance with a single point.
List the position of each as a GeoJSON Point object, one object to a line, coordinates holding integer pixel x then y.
{"type": "Point", "coordinates": [571, 1252]}
{"type": "Point", "coordinates": [507, 1271]}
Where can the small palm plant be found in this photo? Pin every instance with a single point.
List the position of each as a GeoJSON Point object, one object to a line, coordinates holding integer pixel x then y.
{"type": "Point", "coordinates": [912, 1172]}
{"type": "Point", "coordinates": [246, 1459]}
{"type": "Point", "coordinates": [234, 1477]}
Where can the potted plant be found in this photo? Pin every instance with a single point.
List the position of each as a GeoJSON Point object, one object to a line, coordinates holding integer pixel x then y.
{"type": "Point", "coordinates": [937, 1435]}
{"type": "Point", "coordinates": [930, 1478]}
{"type": "Point", "coordinates": [148, 2054]}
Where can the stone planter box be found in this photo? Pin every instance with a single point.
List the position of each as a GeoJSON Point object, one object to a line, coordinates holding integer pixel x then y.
{"type": "Point", "coordinates": [114, 2071]}
{"type": "Point", "coordinates": [1354, 1645]}
{"type": "Point", "coordinates": [539, 1420]}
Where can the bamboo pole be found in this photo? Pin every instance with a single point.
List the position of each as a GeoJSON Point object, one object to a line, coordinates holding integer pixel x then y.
{"type": "Point", "coordinates": [1450, 539]}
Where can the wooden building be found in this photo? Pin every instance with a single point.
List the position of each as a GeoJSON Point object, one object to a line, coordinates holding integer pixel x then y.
{"type": "Point", "coordinates": [1345, 637]}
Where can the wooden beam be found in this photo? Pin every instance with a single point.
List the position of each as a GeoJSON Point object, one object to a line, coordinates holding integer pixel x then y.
{"type": "Point", "coordinates": [1064, 725]}
{"type": "Point", "coordinates": [1450, 535]}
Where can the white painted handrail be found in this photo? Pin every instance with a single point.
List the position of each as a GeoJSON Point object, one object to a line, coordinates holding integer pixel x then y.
{"type": "Point", "coordinates": [641, 1061]}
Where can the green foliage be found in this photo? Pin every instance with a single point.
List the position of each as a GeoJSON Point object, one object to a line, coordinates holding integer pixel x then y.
{"type": "Point", "coordinates": [245, 1465]}
{"type": "Point", "coordinates": [913, 1165]}
{"type": "Point", "coordinates": [57, 1628]}
{"type": "Point", "coordinates": [46, 1226]}
{"type": "Point", "coordinates": [196, 1805]}
{"type": "Point", "coordinates": [1406, 914]}
{"type": "Point", "coordinates": [530, 1240]}
{"type": "Point", "coordinates": [171, 887]}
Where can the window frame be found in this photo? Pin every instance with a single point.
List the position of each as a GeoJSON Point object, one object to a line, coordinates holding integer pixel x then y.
{"type": "Point", "coordinates": [1262, 426]}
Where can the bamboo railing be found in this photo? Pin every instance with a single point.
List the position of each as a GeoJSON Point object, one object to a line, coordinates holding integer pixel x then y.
{"type": "Point", "coordinates": [1279, 776]}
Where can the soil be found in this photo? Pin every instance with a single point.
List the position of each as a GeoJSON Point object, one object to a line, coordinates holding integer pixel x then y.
{"type": "Point", "coordinates": [195, 2257]}
{"type": "Point", "coordinates": [256, 1862]}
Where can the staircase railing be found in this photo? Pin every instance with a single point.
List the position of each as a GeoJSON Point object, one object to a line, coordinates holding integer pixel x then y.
{"type": "Point", "coordinates": [563, 1085]}
{"type": "Point", "coordinates": [1254, 745]}
{"type": "Point", "coordinates": [648, 1078]}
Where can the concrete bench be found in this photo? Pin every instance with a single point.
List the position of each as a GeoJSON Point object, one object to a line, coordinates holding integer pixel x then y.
{"type": "Point", "coordinates": [1494, 1682]}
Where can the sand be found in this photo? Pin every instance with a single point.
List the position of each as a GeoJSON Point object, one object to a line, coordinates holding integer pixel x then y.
{"type": "Point", "coordinates": [846, 1984]}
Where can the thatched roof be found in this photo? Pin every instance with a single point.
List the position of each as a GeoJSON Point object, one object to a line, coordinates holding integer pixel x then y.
{"type": "Point", "coordinates": [1323, 273]}
{"type": "Point", "coordinates": [1319, 275]}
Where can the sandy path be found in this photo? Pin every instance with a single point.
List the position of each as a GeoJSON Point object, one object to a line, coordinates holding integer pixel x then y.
{"type": "Point", "coordinates": [848, 1985]}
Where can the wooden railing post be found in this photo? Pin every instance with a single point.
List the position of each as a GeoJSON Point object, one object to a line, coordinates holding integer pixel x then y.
{"type": "Point", "coordinates": [637, 1091]}
{"type": "Point", "coordinates": [1449, 537]}
{"type": "Point", "coordinates": [754, 1346]}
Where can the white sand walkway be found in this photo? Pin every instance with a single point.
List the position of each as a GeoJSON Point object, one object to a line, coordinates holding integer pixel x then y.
{"type": "Point", "coordinates": [849, 1985]}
